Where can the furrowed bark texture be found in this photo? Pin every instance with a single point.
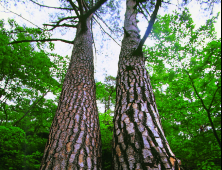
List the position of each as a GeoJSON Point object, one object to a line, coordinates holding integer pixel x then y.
{"type": "Point", "coordinates": [74, 140]}
{"type": "Point", "coordinates": [138, 140]}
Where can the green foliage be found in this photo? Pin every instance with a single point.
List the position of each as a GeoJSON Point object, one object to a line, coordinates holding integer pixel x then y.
{"type": "Point", "coordinates": [106, 92]}
{"type": "Point", "coordinates": [27, 73]}
{"type": "Point", "coordinates": [106, 128]}
{"type": "Point", "coordinates": [180, 61]}
{"type": "Point", "coordinates": [18, 151]}
{"type": "Point", "coordinates": [11, 140]}
{"type": "Point", "coordinates": [185, 66]}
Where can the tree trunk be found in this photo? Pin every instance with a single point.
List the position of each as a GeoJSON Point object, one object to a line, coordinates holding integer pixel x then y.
{"type": "Point", "coordinates": [138, 139]}
{"type": "Point", "coordinates": [74, 139]}
{"type": "Point", "coordinates": [108, 103]}
{"type": "Point", "coordinates": [105, 106]}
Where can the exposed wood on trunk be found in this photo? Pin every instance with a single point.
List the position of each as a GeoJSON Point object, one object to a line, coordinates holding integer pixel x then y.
{"type": "Point", "coordinates": [138, 140]}
{"type": "Point", "coordinates": [74, 139]}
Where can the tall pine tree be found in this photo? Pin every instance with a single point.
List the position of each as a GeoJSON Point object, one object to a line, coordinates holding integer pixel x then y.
{"type": "Point", "coordinates": [139, 141]}
{"type": "Point", "coordinates": [74, 138]}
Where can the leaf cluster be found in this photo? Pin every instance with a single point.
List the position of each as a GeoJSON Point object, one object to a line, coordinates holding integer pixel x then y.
{"type": "Point", "coordinates": [106, 91]}
{"type": "Point", "coordinates": [186, 77]}
{"type": "Point", "coordinates": [28, 73]}
{"type": "Point", "coordinates": [106, 128]}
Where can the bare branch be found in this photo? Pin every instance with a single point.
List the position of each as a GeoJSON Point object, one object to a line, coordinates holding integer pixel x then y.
{"type": "Point", "coordinates": [63, 25]}
{"type": "Point", "coordinates": [44, 40]}
{"type": "Point", "coordinates": [21, 17]}
{"type": "Point", "coordinates": [80, 7]}
{"type": "Point", "coordinates": [106, 32]}
{"type": "Point", "coordinates": [94, 8]}
{"type": "Point", "coordinates": [71, 17]}
{"type": "Point", "coordinates": [58, 22]}
{"type": "Point", "coordinates": [74, 7]}
{"type": "Point", "coordinates": [149, 28]}
{"type": "Point", "coordinates": [50, 6]}
{"type": "Point", "coordinates": [143, 12]}
{"type": "Point", "coordinates": [144, 7]}
{"type": "Point", "coordinates": [97, 15]}
{"type": "Point", "coordinates": [169, 3]}
{"type": "Point", "coordinates": [85, 6]}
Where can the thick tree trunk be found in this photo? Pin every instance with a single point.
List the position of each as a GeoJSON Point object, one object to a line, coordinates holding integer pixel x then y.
{"type": "Point", "coordinates": [138, 140]}
{"type": "Point", "coordinates": [74, 140]}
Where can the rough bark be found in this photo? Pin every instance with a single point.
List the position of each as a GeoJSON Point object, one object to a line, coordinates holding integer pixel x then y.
{"type": "Point", "coordinates": [74, 139]}
{"type": "Point", "coordinates": [138, 139]}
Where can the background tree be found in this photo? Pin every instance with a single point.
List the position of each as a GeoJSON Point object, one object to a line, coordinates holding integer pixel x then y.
{"type": "Point", "coordinates": [25, 115]}
{"type": "Point", "coordinates": [186, 76]}
{"type": "Point", "coordinates": [106, 92]}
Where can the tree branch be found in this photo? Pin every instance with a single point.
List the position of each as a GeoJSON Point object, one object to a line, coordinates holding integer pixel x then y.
{"type": "Point", "coordinates": [169, 3]}
{"type": "Point", "coordinates": [30, 109]}
{"type": "Point", "coordinates": [106, 32]}
{"type": "Point", "coordinates": [74, 7]}
{"type": "Point", "coordinates": [152, 20]}
{"type": "Point", "coordinates": [21, 17]}
{"type": "Point", "coordinates": [94, 8]}
{"type": "Point", "coordinates": [58, 22]}
{"type": "Point", "coordinates": [149, 28]}
{"type": "Point", "coordinates": [213, 97]}
{"type": "Point", "coordinates": [80, 7]}
{"type": "Point", "coordinates": [85, 6]}
{"type": "Point", "coordinates": [141, 10]}
{"type": "Point", "coordinates": [204, 106]}
{"type": "Point", "coordinates": [97, 15]}
{"type": "Point", "coordinates": [63, 25]}
{"type": "Point", "coordinates": [144, 7]}
{"type": "Point", "coordinates": [44, 40]}
{"type": "Point", "coordinates": [50, 6]}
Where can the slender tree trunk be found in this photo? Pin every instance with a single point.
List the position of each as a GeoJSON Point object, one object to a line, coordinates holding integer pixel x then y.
{"type": "Point", "coordinates": [108, 106]}
{"type": "Point", "coordinates": [138, 139]}
{"type": "Point", "coordinates": [105, 106]}
{"type": "Point", "coordinates": [74, 140]}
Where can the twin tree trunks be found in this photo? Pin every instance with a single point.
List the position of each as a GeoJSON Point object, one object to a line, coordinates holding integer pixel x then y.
{"type": "Point", "coordinates": [139, 142]}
